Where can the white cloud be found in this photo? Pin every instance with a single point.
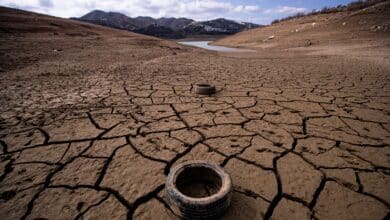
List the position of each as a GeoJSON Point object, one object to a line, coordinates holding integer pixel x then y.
{"type": "Point", "coordinates": [247, 8]}
{"type": "Point", "coordinates": [46, 3]}
{"type": "Point", "coordinates": [196, 9]}
{"type": "Point", "coordinates": [285, 10]}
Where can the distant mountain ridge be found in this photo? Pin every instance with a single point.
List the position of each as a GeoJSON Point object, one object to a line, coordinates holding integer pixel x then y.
{"type": "Point", "coordinates": [166, 27]}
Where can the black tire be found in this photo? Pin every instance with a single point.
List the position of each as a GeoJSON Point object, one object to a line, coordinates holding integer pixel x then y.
{"type": "Point", "coordinates": [189, 207]}
{"type": "Point", "coordinates": [205, 89]}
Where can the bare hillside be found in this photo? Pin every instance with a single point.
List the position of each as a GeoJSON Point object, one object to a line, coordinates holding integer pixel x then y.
{"type": "Point", "coordinates": [370, 26]}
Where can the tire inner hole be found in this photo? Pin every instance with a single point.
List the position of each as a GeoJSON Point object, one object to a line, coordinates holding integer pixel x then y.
{"type": "Point", "coordinates": [198, 182]}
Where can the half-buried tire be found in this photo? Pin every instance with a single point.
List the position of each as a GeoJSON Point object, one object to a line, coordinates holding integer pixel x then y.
{"type": "Point", "coordinates": [205, 89]}
{"type": "Point", "coordinates": [198, 190]}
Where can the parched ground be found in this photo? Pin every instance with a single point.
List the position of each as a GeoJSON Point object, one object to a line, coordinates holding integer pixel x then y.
{"type": "Point", "coordinates": [92, 120]}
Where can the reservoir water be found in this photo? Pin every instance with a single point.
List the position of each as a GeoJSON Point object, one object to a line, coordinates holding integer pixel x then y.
{"type": "Point", "coordinates": [206, 45]}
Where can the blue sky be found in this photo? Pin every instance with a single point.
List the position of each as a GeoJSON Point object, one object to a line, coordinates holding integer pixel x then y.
{"type": "Point", "coordinates": [257, 11]}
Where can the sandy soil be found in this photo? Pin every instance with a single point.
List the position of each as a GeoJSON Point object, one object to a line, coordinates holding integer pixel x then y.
{"type": "Point", "coordinates": [92, 119]}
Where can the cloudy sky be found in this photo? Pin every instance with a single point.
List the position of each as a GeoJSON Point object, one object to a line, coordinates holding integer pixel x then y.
{"type": "Point", "coordinates": [257, 11]}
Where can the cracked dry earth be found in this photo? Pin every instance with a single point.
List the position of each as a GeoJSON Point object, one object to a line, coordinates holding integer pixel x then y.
{"type": "Point", "coordinates": [91, 131]}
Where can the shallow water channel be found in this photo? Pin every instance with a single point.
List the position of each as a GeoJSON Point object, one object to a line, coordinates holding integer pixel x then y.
{"type": "Point", "coordinates": [206, 45]}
